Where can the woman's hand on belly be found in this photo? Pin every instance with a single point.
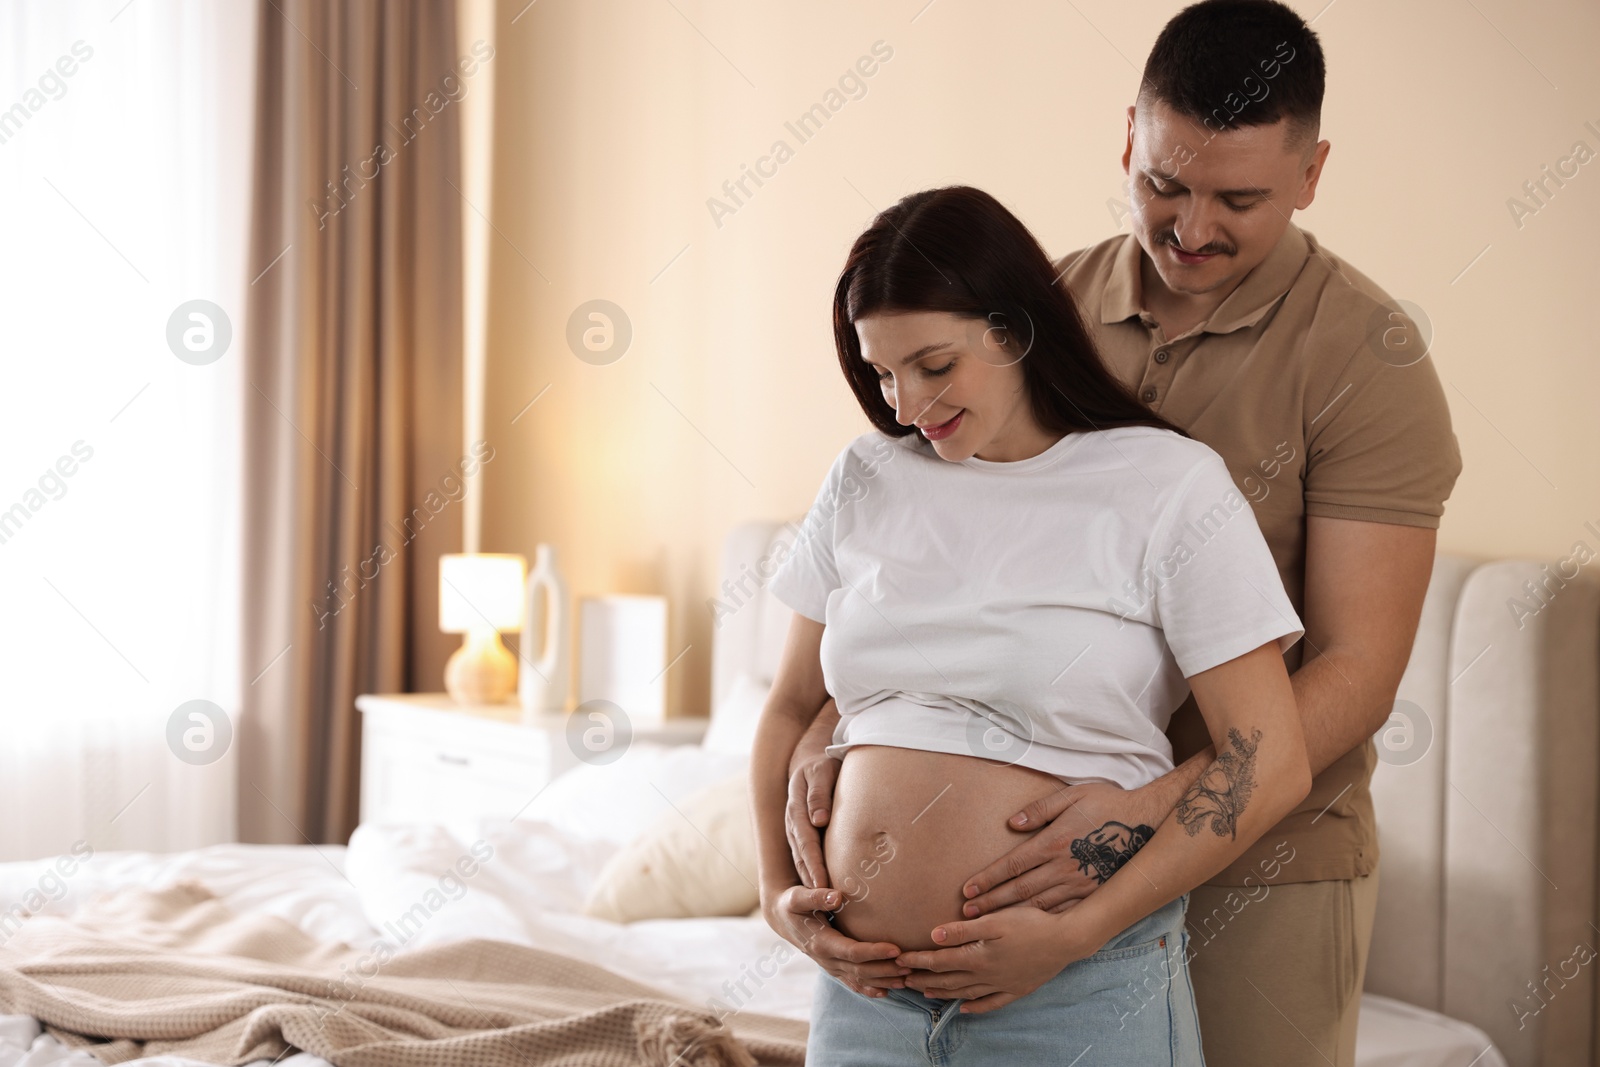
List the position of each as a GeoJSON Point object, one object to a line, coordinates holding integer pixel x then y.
{"type": "Point", "coordinates": [995, 959]}
{"type": "Point", "coordinates": [799, 915]}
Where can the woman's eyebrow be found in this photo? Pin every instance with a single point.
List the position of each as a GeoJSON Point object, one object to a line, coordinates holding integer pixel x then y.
{"type": "Point", "coordinates": [925, 350]}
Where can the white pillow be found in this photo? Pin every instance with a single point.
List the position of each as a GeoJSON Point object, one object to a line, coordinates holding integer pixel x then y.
{"type": "Point", "coordinates": [618, 801]}
{"type": "Point", "coordinates": [733, 720]}
{"type": "Point", "coordinates": [698, 859]}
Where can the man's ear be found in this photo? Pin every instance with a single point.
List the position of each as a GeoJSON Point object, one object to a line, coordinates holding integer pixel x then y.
{"type": "Point", "coordinates": [1127, 149]}
{"type": "Point", "coordinates": [1312, 175]}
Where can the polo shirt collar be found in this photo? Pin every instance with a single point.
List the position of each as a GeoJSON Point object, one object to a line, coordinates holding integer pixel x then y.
{"type": "Point", "coordinates": [1123, 297]}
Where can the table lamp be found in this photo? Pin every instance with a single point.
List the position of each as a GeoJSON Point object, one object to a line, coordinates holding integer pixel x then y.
{"type": "Point", "coordinates": [480, 594]}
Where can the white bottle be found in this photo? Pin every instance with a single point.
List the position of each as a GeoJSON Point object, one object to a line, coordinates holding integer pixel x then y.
{"type": "Point", "coordinates": [542, 681]}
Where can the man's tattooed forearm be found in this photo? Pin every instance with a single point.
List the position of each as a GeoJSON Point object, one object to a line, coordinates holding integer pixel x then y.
{"type": "Point", "coordinates": [1219, 797]}
{"type": "Point", "coordinates": [1103, 852]}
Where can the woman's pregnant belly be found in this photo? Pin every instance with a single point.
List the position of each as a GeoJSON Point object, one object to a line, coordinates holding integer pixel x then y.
{"type": "Point", "coordinates": [909, 828]}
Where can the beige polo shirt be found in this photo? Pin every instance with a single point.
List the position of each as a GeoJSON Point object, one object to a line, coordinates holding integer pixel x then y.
{"type": "Point", "coordinates": [1311, 392]}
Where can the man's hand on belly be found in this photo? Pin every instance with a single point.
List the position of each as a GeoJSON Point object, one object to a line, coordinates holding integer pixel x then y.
{"type": "Point", "coordinates": [1093, 830]}
{"type": "Point", "coordinates": [812, 777]}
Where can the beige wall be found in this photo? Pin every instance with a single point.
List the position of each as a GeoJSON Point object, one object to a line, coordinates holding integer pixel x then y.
{"type": "Point", "coordinates": [616, 121]}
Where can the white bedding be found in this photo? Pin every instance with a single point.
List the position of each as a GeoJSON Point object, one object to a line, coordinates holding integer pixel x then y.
{"type": "Point", "coordinates": [529, 892]}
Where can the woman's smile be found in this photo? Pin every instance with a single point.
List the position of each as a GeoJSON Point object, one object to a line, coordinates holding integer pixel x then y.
{"type": "Point", "coordinates": [943, 429]}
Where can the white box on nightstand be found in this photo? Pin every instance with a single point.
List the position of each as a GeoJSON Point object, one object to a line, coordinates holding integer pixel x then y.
{"type": "Point", "coordinates": [425, 758]}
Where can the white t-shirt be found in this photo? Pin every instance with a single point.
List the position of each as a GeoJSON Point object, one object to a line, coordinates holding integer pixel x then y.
{"type": "Point", "coordinates": [1045, 612]}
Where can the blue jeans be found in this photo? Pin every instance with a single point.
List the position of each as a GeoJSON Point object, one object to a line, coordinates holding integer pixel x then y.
{"type": "Point", "coordinates": [1128, 1004]}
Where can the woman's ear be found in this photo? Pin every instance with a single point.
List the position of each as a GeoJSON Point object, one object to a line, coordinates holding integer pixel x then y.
{"type": "Point", "coordinates": [994, 340]}
{"type": "Point", "coordinates": [997, 342]}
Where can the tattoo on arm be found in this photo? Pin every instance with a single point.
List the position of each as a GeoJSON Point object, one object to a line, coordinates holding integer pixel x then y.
{"type": "Point", "coordinates": [1218, 798]}
{"type": "Point", "coordinates": [1103, 852]}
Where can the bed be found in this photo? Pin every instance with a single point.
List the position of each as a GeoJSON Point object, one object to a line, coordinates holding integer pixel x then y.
{"type": "Point", "coordinates": [1478, 833]}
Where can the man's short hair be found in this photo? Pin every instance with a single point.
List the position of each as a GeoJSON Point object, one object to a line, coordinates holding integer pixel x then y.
{"type": "Point", "coordinates": [1233, 63]}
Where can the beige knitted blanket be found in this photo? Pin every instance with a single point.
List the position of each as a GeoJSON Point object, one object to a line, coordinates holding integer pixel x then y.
{"type": "Point", "coordinates": [138, 972]}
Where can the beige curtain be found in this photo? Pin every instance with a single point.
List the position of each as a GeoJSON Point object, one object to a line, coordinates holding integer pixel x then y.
{"type": "Point", "coordinates": [353, 428]}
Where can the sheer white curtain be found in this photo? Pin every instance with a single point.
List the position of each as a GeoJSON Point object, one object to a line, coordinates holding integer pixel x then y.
{"type": "Point", "coordinates": [125, 174]}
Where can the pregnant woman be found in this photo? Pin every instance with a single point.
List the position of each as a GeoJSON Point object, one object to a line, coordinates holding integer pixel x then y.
{"type": "Point", "coordinates": [1009, 585]}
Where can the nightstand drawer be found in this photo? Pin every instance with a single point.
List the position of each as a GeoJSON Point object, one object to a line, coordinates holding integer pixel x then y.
{"type": "Point", "coordinates": [413, 780]}
{"type": "Point", "coordinates": [513, 770]}
{"type": "Point", "coordinates": [425, 760]}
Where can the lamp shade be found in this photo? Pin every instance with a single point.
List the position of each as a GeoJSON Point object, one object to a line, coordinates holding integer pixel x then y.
{"type": "Point", "coordinates": [481, 591]}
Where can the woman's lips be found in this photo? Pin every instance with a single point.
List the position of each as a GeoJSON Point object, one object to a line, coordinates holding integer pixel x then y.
{"type": "Point", "coordinates": [944, 429]}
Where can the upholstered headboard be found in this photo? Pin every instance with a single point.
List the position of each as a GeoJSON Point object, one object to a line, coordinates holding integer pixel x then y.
{"type": "Point", "coordinates": [1486, 796]}
{"type": "Point", "coordinates": [751, 622]}
{"type": "Point", "coordinates": [1487, 895]}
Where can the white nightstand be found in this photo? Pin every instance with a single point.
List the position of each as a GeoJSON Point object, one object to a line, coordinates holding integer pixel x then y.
{"type": "Point", "coordinates": [425, 758]}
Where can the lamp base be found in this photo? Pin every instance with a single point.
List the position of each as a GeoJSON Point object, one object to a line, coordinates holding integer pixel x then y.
{"type": "Point", "coordinates": [481, 671]}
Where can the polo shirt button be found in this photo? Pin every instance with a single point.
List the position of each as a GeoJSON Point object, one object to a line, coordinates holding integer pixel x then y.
{"type": "Point", "coordinates": [1161, 355]}
{"type": "Point", "coordinates": [1149, 395]}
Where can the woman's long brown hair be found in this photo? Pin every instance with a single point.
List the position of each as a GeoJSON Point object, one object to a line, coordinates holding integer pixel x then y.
{"type": "Point", "coordinates": [958, 249]}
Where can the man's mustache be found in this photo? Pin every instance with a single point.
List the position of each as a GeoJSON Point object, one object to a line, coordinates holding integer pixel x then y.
{"type": "Point", "coordinates": [1170, 237]}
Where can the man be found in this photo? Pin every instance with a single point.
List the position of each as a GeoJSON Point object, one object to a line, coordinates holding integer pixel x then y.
{"type": "Point", "coordinates": [1316, 389]}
